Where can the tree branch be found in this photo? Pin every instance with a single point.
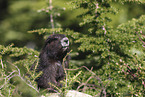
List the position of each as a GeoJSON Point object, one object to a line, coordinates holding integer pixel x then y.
{"type": "Point", "coordinates": [51, 16]}
{"type": "Point", "coordinates": [141, 39]}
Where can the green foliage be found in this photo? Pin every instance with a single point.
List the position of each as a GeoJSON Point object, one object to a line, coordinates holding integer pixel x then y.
{"type": "Point", "coordinates": [112, 61]}
{"type": "Point", "coordinates": [111, 49]}
{"type": "Point", "coordinates": [10, 70]}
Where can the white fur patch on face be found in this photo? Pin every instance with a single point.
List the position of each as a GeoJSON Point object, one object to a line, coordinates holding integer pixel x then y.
{"type": "Point", "coordinates": [65, 42]}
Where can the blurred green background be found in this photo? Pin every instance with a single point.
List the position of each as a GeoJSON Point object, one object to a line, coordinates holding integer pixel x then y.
{"type": "Point", "coordinates": [17, 17]}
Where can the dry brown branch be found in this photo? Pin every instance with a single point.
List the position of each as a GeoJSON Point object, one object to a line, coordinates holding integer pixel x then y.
{"type": "Point", "coordinates": [93, 86]}
{"type": "Point", "coordinates": [2, 64]}
{"type": "Point", "coordinates": [8, 78]}
{"type": "Point", "coordinates": [141, 39]}
{"type": "Point", "coordinates": [89, 71]}
{"type": "Point", "coordinates": [19, 75]}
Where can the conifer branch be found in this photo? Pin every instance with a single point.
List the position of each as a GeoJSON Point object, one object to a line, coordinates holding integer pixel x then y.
{"type": "Point", "coordinates": [19, 75]}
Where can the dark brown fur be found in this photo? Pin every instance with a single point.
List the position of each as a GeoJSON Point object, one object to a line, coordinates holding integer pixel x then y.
{"type": "Point", "coordinates": [51, 59]}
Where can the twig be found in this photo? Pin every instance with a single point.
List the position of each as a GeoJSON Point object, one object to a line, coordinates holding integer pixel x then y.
{"type": "Point", "coordinates": [86, 83]}
{"type": "Point", "coordinates": [24, 80]}
{"type": "Point", "coordinates": [102, 87]}
{"type": "Point", "coordinates": [89, 79]}
{"type": "Point", "coordinates": [141, 39]}
{"type": "Point", "coordinates": [19, 75]}
{"type": "Point", "coordinates": [9, 75]}
{"type": "Point", "coordinates": [64, 66]}
{"type": "Point", "coordinates": [2, 63]}
{"type": "Point", "coordinates": [7, 80]}
{"type": "Point", "coordinates": [89, 71]}
{"type": "Point", "coordinates": [97, 6]}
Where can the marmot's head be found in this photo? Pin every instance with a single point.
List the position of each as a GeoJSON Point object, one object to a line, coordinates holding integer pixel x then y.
{"type": "Point", "coordinates": [56, 47]}
{"type": "Point", "coordinates": [57, 41]}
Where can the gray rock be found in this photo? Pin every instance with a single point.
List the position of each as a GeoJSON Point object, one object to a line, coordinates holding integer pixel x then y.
{"type": "Point", "coordinates": [73, 93]}
{"type": "Point", "coordinates": [70, 93]}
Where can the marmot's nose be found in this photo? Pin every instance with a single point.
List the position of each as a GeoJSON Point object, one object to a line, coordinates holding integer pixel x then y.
{"type": "Point", "coordinates": [66, 41]}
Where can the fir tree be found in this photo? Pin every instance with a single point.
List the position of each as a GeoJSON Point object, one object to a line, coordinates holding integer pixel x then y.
{"type": "Point", "coordinates": [113, 58]}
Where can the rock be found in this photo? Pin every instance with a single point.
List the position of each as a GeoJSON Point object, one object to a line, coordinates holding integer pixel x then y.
{"type": "Point", "coordinates": [73, 93]}
{"type": "Point", "coordinates": [70, 93]}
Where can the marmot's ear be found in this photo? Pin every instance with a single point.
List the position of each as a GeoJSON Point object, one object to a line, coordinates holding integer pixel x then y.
{"type": "Point", "coordinates": [49, 40]}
